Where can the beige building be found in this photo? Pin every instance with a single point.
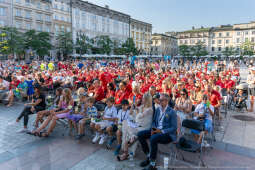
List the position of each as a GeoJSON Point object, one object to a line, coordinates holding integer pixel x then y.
{"type": "Point", "coordinates": [32, 14]}
{"type": "Point", "coordinates": [164, 45]}
{"type": "Point", "coordinates": [61, 16]}
{"type": "Point", "coordinates": [5, 13]}
{"type": "Point", "coordinates": [218, 39]}
{"type": "Point", "coordinates": [141, 34]}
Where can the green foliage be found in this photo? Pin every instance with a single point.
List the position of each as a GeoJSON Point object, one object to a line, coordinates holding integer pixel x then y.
{"type": "Point", "coordinates": [38, 42]}
{"type": "Point", "coordinates": [13, 41]}
{"type": "Point", "coordinates": [229, 51]}
{"type": "Point", "coordinates": [247, 48]}
{"type": "Point", "coordinates": [83, 44]}
{"type": "Point", "coordinates": [198, 50]}
{"type": "Point", "coordinates": [129, 47]}
{"type": "Point", "coordinates": [184, 50]}
{"type": "Point", "coordinates": [104, 43]}
{"type": "Point", "coordinates": [65, 44]}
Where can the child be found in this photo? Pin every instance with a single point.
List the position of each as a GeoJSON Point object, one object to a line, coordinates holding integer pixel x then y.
{"type": "Point", "coordinates": [110, 115]}
{"type": "Point", "coordinates": [91, 113]}
{"type": "Point", "coordinates": [123, 115]}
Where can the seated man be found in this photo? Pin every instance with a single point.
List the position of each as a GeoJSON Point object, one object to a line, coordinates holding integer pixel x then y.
{"type": "Point", "coordinates": [163, 131]}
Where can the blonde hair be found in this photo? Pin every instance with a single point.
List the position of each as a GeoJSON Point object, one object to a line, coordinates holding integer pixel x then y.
{"type": "Point", "coordinates": [80, 91]}
{"type": "Point", "coordinates": [147, 100]}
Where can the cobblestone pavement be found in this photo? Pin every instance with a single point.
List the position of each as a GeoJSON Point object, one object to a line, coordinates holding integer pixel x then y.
{"type": "Point", "coordinates": [26, 152]}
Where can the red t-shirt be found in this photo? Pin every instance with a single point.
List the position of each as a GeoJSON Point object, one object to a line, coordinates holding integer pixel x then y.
{"type": "Point", "coordinates": [214, 97]}
{"type": "Point", "coordinates": [99, 93]}
{"type": "Point", "coordinates": [121, 95]}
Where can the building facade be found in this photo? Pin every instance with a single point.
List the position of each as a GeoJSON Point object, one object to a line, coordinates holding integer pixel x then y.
{"type": "Point", "coordinates": [5, 13]}
{"type": "Point", "coordinates": [32, 14]}
{"type": "Point", "coordinates": [61, 16]}
{"type": "Point", "coordinates": [93, 21]}
{"type": "Point", "coordinates": [219, 39]}
{"type": "Point", "coordinates": [164, 45]}
{"type": "Point", "coordinates": [141, 34]}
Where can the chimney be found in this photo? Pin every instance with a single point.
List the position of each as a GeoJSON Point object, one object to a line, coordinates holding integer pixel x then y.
{"type": "Point", "coordinates": [202, 27]}
{"type": "Point", "coordinates": [106, 6]}
{"type": "Point", "coordinates": [193, 27]}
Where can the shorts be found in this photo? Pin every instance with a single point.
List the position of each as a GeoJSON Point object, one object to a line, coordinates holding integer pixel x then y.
{"type": "Point", "coordinates": [252, 91]}
{"type": "Point", "coordinates": [104, 124]}
{"type": "Point", "coordinates": [208, 127]}
{"type": "Point", "coordinates": [114, 128]}
{"type": "Point", "coordinates": [75, 117]}
{"type": "Point", "coordinates": [62, 115]}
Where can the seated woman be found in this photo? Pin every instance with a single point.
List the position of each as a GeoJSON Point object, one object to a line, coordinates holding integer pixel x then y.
{"type": "Point", "coordinates": [66, 105]}
{"type": "Point", "coordinates": [183, 107]}
{"type": "Point", "coordinates": [139, 119]}
{"type": "Point", "coordinates": [239, 98]}
{"type": "Point", "coordinates": [38, 104]}
{"type": "Point", "coordinates": [40, 115]}
{"type": "Point", "coordinates": [204, 111]}
{"type": "Point", "coordinates": [19, 92]}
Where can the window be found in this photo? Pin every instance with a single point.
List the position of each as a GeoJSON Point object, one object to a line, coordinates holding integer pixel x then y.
{"type": "Point", "coordinates": [186, 41]}
{"type": "Point", "coordinates": [39, 27]}
{"type": "Point", "coordinates": [2, 23]}
{"type": "Point", "coordinates": [226, 48]}
{"type": "Point", "coordinates": [18, 1]}
{"type": "Point", "coordinates": [28, 26]}
{"type": "Point", "coordinates": [213, 41]}
{"type": "Point", "coordinates": [220, 34]}
{"type": "Point", "coordinates": [68, 29]}
{"type": "Point", "coordinates": [18, 12]}
{"type": "Point", "coordinates": [180, 41]}
{"type": "Point", "coordinates": [39, 16]}
{"type": "Point", "coordinates": [253, 32]}
{"type": "Point", "coordinates": [227, 34]}
{"type": "Point", "coordinates": [47, 28]}
{"type": "Point", "coordinates": [219, 41]}
{"type": "Point", "coordinates": [219, 48]}
{"type": "Point", "coordinates": [213, 34]}
{"type": "Point", "coordinates": [213, 49]}
{"type": "Point", "coordinates": [252, 39]}
{"type": "Point", "coordinates": [2, 11]}
{"type": "Point", "coordinates": [63, 28]}
{"type": "Point", "coordinates": [68, 9]}
{"type": "Point", "coordinates": [238, 33]}
{"type": "Point", "coordinates": [28, 14]}
{"type": "Point", "coordinates": [238, 40]}
{"type": "Point", "coordinates": [246, 39]}
{"type": "Point", "coordinates": [192, 41]}
{"type": "Point", "coordinates": [227, 41]}
{"type": "Point", "coordinates": [62, 7]}
{"type": "Point", "coordinates": [56, 17]}
{"type": "Point", "coordinates": [28, 2]}
{"type": "Point", "coordinates": [56, 6]}
{"type": "Point", "coordinates": [47, 7]}
{"type": "Point", "coordinates": [38, 5]}
{"type": "Point", "coordinates": [18, 24]}
{"type": "Point", "coordinates": [47, 18]}
{"type": "Point", "coordinates": [56, 28]}
{"type": "Point", "coordinates": [246, 32]}
{"type": "Point", "coordinates": [77, 12]}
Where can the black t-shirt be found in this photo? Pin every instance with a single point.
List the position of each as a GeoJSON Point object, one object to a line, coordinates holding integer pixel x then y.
{"type": "Point", "coordinates": [42, 103]}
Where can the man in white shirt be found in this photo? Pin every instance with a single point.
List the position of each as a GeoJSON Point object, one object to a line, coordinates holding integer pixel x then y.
{"type": "Point", "coordinates": [251, 83]}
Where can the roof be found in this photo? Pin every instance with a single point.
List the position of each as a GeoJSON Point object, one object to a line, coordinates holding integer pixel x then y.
{"type": "Point", "coordinates": [163, 35]}
{"type": "Point", "coordinates": [197, 30]}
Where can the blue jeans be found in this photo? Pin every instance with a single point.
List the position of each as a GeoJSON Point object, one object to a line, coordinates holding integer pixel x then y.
{"type": "Point", "coordinates": [154, 141]}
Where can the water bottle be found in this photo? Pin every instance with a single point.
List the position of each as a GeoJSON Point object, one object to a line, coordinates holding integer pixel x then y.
{"type": "Point", "coordinates": [166, 160]}
{"type": "Point", "coordinates": [131, 156]}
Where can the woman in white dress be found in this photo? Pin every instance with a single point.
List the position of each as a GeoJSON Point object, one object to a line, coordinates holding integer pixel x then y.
{"type": "Point", "coordinates": [139, 119]}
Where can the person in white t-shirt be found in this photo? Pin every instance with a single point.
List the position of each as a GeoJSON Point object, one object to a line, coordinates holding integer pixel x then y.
{"type": "Point", "coordinates": [110, 115]}
{"type": "Point", "coordinates": [4, 87]}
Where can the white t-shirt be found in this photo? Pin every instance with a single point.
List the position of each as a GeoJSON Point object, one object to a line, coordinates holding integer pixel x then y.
{"type": "Point", "coordinates": [5, 84]}
{"type": "Point", "coordinates": [200, 109]}
{"type": "Point", "coordinates": [122, 115]}
{"type": "Point", "coordinates": [110, 113]}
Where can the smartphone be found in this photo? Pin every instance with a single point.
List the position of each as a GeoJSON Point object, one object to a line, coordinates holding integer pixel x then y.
{"type": "Point", "coordinates": [133, 99]}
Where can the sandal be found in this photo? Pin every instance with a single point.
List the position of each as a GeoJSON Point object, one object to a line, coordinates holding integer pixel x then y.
{"type": "Point", "coordinates": [45, 134]}
{"type": "Point", "coordinates": [33, 133]}
{"type": "Point", "coordinates": [122, 157]}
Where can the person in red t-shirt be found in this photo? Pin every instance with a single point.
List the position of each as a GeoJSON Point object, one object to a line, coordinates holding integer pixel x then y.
{"type": "Point", "coordinates": [214, 97]}
{"type": "Point", "coordinates": [122, 93]}
{"type": "Point", "coordinates": [98, 91]}
{"type": "Point", "coordinates": [136, 96]}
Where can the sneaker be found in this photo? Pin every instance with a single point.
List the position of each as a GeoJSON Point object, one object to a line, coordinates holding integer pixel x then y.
{"type": "Point", "coordinates": [151, 168]}
{"type": "Point", "coordinates": [22, 130]}
{"type": "Point", "coordinates": [103, 137]}
{"type": "Point", "coordinates": [96, 138]}
{"type": "Point", "coordinates": [206, 144]}
{"type": "Point", "coordinates": [117, 150]}
{"type": "Point", "coordinates": [79, 137]}
{"type": "Point", "coordinates": [145, 163]}
{"type": "Point", "coordinates": [109, 143]}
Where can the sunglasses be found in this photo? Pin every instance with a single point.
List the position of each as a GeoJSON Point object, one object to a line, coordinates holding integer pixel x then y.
{"type": "Point", "coordinates": [197, 86]}
{"type": "Point", "coordinates": [182, 94]}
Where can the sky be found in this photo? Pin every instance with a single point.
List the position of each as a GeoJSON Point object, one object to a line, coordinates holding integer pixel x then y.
{"type": "Point", "coordinates": [180, 15]}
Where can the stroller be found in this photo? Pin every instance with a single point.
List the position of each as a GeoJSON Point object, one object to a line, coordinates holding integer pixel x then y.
{"type": "Point", "coordinates": [240, 99]}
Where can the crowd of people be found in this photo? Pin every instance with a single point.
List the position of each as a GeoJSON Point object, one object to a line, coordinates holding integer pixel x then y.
{"type": "Point", "coordinates": [119, 100]}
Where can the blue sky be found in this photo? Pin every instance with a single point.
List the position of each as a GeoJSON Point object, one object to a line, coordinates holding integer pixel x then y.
{"type": "Point", "coordinates": [179, 15]}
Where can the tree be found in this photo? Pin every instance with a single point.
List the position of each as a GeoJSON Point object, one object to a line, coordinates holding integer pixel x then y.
{"type": "Point", "coordinates": [14, 42]}
{"type": "Point", "coordinates": [104, 43]}
{"type": "Point", "coordinates": [64, 44]}
{"type": "Point", "coordinates": [229, 51]}
{"type": "Point", "coordinates": [184, 50]}
{"type": "Point", "coordinates": [199, 49]}
{"type": "Point", "coordinates": [247, 48]}
{"type": "Point", "coordinates": [83, 44]}
{"type": "Point", "coordinates": [38, 42]}
{"type": "Point", "coordinates": [129, 47]}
